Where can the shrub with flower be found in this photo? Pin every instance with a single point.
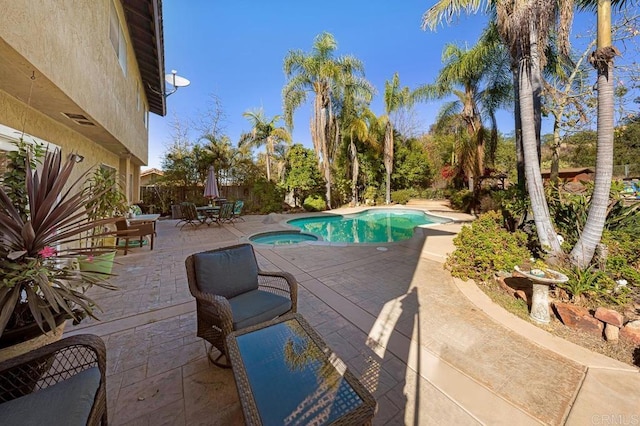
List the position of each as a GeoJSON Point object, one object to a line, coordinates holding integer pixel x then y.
{"type": "Point", "coordinates": [38, 244]}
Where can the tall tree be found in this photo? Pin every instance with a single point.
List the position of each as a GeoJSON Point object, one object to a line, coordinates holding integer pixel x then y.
{"type": "Point", "coordinates": [357, 128]}
{"type": "Point", "coordinates": [524, 26]}
{"type": "Point", "coordinates": [476, 77]}
{"type": "Point", "coordinates": [602, 59]}
{"type": "Point", "coordinates": [395, 98]}
{"type": "Point", "coordinates": [322, 74]}
{"type": "Point", "coordinates": [265, 132]}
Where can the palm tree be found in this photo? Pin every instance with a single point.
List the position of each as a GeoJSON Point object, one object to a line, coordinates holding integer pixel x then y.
{"type": "Point", "coordinates": [324, 75]}
{"type": "Point", "coordinates": [602, 60]}
{"type": "Point", "coordinates": [395, 98]}
{"type": "Point", "coordinates": [476, 77]}
{"type": "Point", "coordinates": [524, 26]}
{"type": "Point", "coordinates": [264, 132]}
{"type": "Point", "coordinates": [357, 127]}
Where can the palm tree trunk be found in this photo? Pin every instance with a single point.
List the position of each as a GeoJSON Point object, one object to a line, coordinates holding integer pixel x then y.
{"type": "Point", "coordinates": [388, 158]}
{"type": "Point", "coordinates": [319, 126]}
{"type": "Point", "coordinates": [530, 67]}
{"type": "Point", "coordinates": [355, 169]}
{"type": "Point", "coordinates": [555, 157]}
{"type": "Point", "coordinates": [602, 59]}
{"type": "Point", "coordinates": [480, 153]}
{"type": "Point", "coordinates": [518, 127]}
{"type": "Point", "coordinates": [269, 150]}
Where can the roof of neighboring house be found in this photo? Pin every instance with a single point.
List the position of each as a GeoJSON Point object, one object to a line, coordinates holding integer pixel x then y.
{"type": "Point", "coordinates": [152, 171]}
{"type": "Point", "coordinates": [144, 20]}
{"type": "Point", "coordinates": [569, 171]}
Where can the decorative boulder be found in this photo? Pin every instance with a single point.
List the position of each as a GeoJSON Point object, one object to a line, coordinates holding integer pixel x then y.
{"type": "Point", "coordinates": [579, 318]}
{"type": "Point", "coordinates": [609, 316]}
{"type": "Point", "coordinates": [631, 332]}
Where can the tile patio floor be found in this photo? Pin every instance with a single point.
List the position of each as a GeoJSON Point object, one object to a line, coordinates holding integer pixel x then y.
{"type": "Point", "coordinates": [396, 317]}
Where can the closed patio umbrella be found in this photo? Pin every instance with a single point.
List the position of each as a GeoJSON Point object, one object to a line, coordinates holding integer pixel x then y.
{"type": "Point", "coordinates": [211, 187]}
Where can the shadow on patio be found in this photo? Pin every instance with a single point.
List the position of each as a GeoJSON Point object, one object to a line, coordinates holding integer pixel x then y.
{"type": "Point", "coordinates": [392, 314]}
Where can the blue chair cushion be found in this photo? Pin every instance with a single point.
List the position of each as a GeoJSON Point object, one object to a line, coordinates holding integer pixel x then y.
{"type": "Point", "coordinates": [257, 306]}
{"type": "Point", "coordinates": [227, 273]}
{"type": "Point", "coordinates": [66, 403]}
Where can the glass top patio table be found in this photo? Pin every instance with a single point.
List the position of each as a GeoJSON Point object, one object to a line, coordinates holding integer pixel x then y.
{"type": "Point", "coordinates": [285, 374]}
{"type": "Point", "coordinates": [211, 212]}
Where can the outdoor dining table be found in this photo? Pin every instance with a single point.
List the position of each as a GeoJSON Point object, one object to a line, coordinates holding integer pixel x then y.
{"type": "Point", "coordinates": [211, 212]}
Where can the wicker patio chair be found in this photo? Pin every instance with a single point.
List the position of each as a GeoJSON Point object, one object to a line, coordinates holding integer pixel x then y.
{"type": "Point", "coordinates": [63, 383]}
{"type": "Point", "coordinates": [190, 215]}
{"type": "Point", "coordinates": [133, 232]}
{"type": "Point", "coordinates": [233, 293]}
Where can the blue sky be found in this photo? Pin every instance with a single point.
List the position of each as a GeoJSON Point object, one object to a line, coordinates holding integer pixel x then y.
{"type": "Point", "coordinates": [235, 50]}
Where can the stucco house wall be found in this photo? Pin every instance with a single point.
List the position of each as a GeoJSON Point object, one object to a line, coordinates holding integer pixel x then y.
{"type": "Point", "coordinates": [57, 59]}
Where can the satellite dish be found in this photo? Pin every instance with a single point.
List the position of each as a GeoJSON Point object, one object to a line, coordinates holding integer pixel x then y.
{"type": "Point", "coordinates": [176, 80]}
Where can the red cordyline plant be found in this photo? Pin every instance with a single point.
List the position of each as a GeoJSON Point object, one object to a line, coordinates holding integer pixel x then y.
{"type": "Point", "coordinates": [37, 282]}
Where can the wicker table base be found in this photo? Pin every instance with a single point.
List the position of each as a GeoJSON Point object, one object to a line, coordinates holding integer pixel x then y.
{"type": "Point", "coordinates": [286, 374]}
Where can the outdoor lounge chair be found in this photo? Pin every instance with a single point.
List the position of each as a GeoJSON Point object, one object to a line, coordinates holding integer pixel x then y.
{"type": "Point", "coordinates": [63, 383]}
{"type": "Point", "coordinates": [133, 232]}
{"type": "Point", "coordinates": [237, 210]}
{"type": "Point", "coordinates": [233, 293]}
{"type": "Point", "coordinates": [190, 215]}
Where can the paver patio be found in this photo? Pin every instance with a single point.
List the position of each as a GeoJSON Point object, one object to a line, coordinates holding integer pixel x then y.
{"type": "Point", "coordinates": [390, 311]}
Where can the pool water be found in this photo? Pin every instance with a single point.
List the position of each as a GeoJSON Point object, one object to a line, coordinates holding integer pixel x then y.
{"type": "Point", "coordinates": [282, 237]}
{"type": "Point", "coordinates": [370, 226]}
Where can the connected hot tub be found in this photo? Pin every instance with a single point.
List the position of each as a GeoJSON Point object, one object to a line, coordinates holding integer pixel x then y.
{"type": "Point", "coordinates": [282, 238]}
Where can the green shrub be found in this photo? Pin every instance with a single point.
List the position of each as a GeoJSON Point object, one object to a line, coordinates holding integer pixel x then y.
{"type": "Point", "coordinates": [433, 194]}
{"type": "Point", "coordinates": [593, 283]}
{"type": "Point", "coordinates": [486, 247]}
{"type": "Point", "coordinates": [489, 201]}
{"type": "Point", "coordinates": [268, 197]}
{"type": "Point", "coordinates": [462, 200]}
{"type": "Point", "coordinates": [514, 203]}
{"type": "Point", "coordinates": [402, 196]}
{"type": "Point", "coordinates": [370, 193]}
{"type": "Point", "coordinates": [623, 256]}
{"type": "Point", "coordinates": [314, 203]}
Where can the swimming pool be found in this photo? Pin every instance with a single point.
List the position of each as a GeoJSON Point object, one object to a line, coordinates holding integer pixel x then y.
{"type": "Point", "coordinates": [369, 226]}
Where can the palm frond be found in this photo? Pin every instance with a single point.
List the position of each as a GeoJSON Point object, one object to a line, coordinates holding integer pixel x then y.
{"type": "Point", "coordinates": [445, 10]}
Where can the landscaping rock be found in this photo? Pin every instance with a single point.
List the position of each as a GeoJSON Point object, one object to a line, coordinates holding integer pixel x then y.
{"type": "Point", "coordinates": [579, 318]}
{"type": "Point", "coordinates": [631, 331]}
{"type": "Point", "coordinates": [611, 332]}
{"type": "Point", "coordinates": [609, 316]}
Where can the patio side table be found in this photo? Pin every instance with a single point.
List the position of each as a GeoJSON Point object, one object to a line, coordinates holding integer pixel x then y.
{"type": "Point", "coordinates": [286, 374]}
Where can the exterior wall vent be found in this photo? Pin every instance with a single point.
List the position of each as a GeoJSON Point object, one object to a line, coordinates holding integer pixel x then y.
{"type": "Point", "coordinates": [78, 119]}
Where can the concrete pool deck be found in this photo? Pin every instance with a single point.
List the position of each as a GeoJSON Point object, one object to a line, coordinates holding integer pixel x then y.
{"type": "Point", "coordinates": [433, 350]}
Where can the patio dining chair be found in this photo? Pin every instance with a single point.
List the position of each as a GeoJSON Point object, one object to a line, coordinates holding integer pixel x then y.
{"type": "Point", "coordinates": [62, 383]}
{"type": "Point", "coordinates": [237, 210]}
{"type": "Point", "coordinates": [226, 212]}
{"type": "Point", "coordinates": [190, 215]}
{"type": "Point", "coordinates": [232, 293]}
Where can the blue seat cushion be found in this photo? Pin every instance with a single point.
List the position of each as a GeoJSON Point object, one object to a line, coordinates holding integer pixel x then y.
{"type": "Point", "coordinates": [66, 403]}
{"type": "Point", "coordinates": [257, 306]}
{"type": "Point", "coordinates": [227, 273]}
